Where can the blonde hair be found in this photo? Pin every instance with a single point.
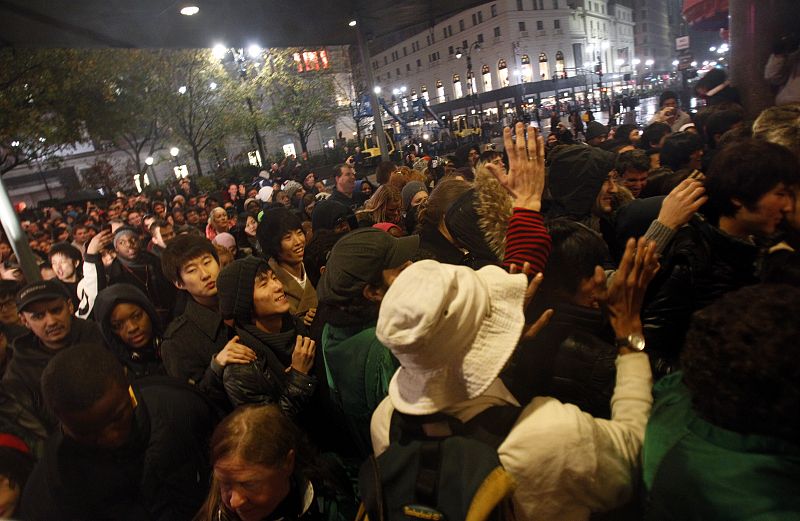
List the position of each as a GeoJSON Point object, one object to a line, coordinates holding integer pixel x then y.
{"type": "Point", "coordinates": [376, 205]}
{"type": "Point", "coordinates": [780, 125]}
{"type": "Point", "coordinates": [259, 435]}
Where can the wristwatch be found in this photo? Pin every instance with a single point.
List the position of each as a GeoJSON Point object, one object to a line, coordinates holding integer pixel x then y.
{"type": "Point", "coordinates": [634, 342]}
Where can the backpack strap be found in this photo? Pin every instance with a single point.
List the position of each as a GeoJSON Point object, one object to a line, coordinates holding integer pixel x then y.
{"type": "Point", "coordinates": [430, 457]}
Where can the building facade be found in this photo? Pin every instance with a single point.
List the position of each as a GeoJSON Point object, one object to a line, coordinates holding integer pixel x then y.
{"type": "Point", "coordinates": [505, 43]}
{"type": "Point", "coordinates": [654, 35]}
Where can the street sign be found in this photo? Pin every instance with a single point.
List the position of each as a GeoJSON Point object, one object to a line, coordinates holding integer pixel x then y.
{"type": "Point", "coordinates": [685, 61]}
{"type": "Point", "coordinates": [681, 43]}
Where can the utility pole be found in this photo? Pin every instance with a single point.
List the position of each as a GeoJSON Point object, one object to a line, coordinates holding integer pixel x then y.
{"type": "Point", "coordinates": [373, 97]}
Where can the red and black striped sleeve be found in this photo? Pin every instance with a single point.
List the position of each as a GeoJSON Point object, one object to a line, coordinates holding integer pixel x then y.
{"type": "Point", "coordinates": [527, 240]}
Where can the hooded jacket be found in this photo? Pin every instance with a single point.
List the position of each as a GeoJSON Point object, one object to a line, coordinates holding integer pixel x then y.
{"type": "Point", "coordinates": [575, 177]}
{"type": "Point", "coordinates": [139, 362]}
{"type": "Point", "coordinates": [478, 221]}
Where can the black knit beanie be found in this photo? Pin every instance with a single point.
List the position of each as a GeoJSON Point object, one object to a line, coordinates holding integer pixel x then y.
{"type": "Point", "coordinates": [235, 285]}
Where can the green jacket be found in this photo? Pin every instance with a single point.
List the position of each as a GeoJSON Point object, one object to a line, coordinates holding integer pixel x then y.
{"type": "Point", "coordinates": [694, 470]}
{"type": "Point", "coordinates": [358, 368]}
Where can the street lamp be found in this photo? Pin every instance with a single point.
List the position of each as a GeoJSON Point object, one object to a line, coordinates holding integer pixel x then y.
{"type": "Point", "coordinates": [149, 162]}
{"type": "Point", "coordinates": [174, 151]}
{"type": "Point", "coordinates": [468, 51]}
{"type": "Point", "coordinates": [377, 89]}
{"type": "Point", "coordinates": [240, 57]}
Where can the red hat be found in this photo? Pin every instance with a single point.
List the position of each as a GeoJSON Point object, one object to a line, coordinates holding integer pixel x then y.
{"type": "Point", "coordinates": [13, 442]}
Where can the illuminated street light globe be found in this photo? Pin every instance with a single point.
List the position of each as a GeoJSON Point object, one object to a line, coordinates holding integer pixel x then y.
{"type": "Point", "coordinates": [219, 51]}
{"type": "Point", "coordinates": [352, 23]}
{"type": "Point", "coordinates": [636, 61]}
{"type": "Point", "coordinates": [149, 161]}
{"type": "Point", "coordinates": [174, 151]}
{"type": "Point", "coordinates": [189, 10]}
{"type": "Point", "coordinates": [182, 89]}
{"type": "Point", "coordinates": [649, 63]}
{"type": "Point", "coordinates": [377, 89]}
{"type": "Point", "coordinates": [254, 50]}
{"type": "Point", "coordinates": [675, 63]}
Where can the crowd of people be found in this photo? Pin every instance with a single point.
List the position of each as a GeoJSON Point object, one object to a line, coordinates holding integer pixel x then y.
{"type": "Point", "coordinates": [627, 296]}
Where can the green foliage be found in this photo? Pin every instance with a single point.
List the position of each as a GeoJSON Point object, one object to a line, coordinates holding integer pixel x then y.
{"type": "Point", "coordinates": [298, 102]}
{"type": "Point", "coordinates": [44, 100]}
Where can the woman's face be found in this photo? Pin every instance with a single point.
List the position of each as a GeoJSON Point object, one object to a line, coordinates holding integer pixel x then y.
{"type": "Point", "coordinates": [309, 181]}
{"type": "Point", "coordinates": [419, 198]}
{"type": "Point", "coordinates": [132, 325]}
{"type": "Point", "coordinates": [366, 189]}
{"type": "Point", "coordinates": [251, 226]}
{"type": "Point", "coordinates": [220, 221]}
{"type": "Point", "coordinates": [253, 491]}
{"type": "Point", "coordinates": [391, 212]}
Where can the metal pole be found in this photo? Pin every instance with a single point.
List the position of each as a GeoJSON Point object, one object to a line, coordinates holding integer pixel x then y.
{"type": "Point", "coordinates": [373, 98]}
{"type": "Point", "coordinates": [17, 237]}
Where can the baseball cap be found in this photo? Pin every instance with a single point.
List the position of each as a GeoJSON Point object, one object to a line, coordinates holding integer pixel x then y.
{"type": "Point", "coordinates": [42, 290]}
{"type": "Point", "coordinates": [358, 259]}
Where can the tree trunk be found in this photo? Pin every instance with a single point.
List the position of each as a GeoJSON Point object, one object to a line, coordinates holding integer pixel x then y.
{"type": "Point", "coordinates": [196, 155]}
{"type": "Point", "coordinates": [303, 142]}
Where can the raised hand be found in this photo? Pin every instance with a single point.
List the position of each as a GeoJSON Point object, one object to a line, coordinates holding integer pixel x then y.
{"type": "Point", "coordinates": [526, 173]}
{"type": "Point", "coordinates": [303, 354]}
{"type": "Point", "coordinates": [682, 203]}
{"type": "Point", "coordinates": [624, 296]}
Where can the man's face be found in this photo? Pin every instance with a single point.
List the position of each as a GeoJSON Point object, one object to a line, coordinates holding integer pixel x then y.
{"type": "Point", "coordinates": [159, 210]}
{"type": "Point", "coordinates": [132, 325]}
{"type": "Point", "coordinates": [5, 250]}
{"type": "Point", "coordinates": [64, 267]}
{"type": "Point", "coordinates": [80, 235]}
{"type": "Point", "coordinates": [192, 217]}
{"type": "Point", "coordinates": [473, 157]}
{"type": "Point", "coordinates": [107, 424]}
{"type": "Point", "coordinates": [768, 212]}
{"type": "Point", "coordinates": [135, 219]}
{"type": "Point", "coordinates": [167, 233]}
{"type": "Point", "coordinates": [634, 180]}
{"type": "Point", "coordinates": [198, 276]}
{"type": "Point", "coordinates": [50, 320]}
{"type": "Point", "coordinates": [346, 182]}
{"type": "Point", "coordinates": [268, 296]}
{"type": "Point", "coordinates": [293, 246]}
{"type": "Point", "coordinates": [127, 247]}
{"type": "Point", "coordinates": [605, 199]}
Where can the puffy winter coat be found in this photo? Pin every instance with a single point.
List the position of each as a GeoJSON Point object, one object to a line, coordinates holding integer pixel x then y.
{"type": "Point", "coordinates": [702, 264]}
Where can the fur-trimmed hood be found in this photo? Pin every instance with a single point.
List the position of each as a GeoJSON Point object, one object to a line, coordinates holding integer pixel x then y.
{"type": "Point", "coordinates": [478, 220]}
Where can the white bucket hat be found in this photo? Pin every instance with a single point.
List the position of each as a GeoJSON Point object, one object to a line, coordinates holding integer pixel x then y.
{"type": "Point", "coordinates": [452, 328]}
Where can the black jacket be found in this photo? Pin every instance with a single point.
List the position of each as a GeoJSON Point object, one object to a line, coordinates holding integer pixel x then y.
{"type": "Point", "coordinates": [161, 473]}
{"type": "Point", "coordinates": [703, 264]}
{"type": "Point", "coordinates": [146, 275]}
{"type": "Point", "coordinates": [138, 362]}
{"type": "Point", "coordinates": [572, 359]}
{"type": "Point", "coordinates": [190, 343]}
{"type": "Point", "coordinates": [24, 373]}
{"type": "Point", "coordinates": [266, 380]}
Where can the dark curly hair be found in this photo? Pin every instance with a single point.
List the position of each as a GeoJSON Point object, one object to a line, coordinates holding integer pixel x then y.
{"type": "Point", "coordinates": [741, 361]}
